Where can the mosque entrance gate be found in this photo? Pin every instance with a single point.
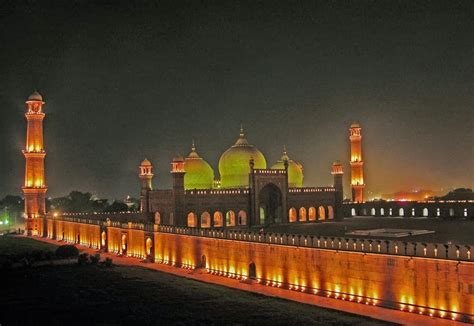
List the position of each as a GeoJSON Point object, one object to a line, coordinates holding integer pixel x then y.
{"type": "Point", "coordinates": [268, 196]}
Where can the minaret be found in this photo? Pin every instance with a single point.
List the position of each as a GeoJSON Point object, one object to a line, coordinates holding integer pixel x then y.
{"type": "Point", "coordinates": [357, 165]}
{"type": "Point", "coordinates": [34, 188]}
{"type": "Point", "coordinates": [146, 174]}
{"type": "Point", "coordinates": [338, 173]}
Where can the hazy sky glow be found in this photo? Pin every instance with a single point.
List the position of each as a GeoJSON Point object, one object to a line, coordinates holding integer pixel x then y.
{"type": "Point", "coordinates": [124, 82]}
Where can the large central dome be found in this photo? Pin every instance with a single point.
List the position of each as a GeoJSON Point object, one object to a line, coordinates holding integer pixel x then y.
{"type": "Point", "coordinates": [234, 163]}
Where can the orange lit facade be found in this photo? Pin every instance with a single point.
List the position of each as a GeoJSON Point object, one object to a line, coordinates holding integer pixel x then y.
{"type": "Point", "coordinates": [34, 187]}
{"type": "Point", "coordinates": [357, 164]}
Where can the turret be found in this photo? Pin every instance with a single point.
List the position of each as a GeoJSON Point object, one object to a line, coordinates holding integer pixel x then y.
{"type": "Point", "coordinates": [34, 188]}
{"type": "Point", "coordinates": [178, 171]}
{"type": "Point", "coordinates": [146, 176]}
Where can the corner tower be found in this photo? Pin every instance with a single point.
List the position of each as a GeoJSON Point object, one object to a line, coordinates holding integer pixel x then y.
{"type": "Point", "coordinates": [146, 175]}
{"type": "Point", "coordinates": [34, 188]}
{"type": "Point", "coordinates": [357, 165]}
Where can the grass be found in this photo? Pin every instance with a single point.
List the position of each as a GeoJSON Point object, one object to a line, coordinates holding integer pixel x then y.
{"type": "Point", "coordinates": [73, 294]}
{"type": "Point", "coordinates": [14, 245]}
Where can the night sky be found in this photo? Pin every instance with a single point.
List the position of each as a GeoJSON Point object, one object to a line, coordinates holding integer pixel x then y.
{"type": "Point", "coordinates": [124, 82]}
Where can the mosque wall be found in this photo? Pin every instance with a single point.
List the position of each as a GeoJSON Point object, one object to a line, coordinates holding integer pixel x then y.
{"type": "Point", "coordinates": [366, 272]}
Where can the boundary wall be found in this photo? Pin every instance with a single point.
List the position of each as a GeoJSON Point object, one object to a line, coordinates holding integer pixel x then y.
{"type": "Point", "coordinates": [423, 278]}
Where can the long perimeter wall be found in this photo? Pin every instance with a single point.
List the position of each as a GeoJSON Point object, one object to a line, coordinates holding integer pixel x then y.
{"type": "Point", "coordinates": [433, 286]}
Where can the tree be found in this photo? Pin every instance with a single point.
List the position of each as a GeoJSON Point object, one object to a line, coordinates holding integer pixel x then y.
{"type": "Point", "coordinates": [117, 206]}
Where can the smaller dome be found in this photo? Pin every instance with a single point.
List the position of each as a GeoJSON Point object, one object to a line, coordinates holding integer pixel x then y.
{"type": "Point", "coordinates": [178, 158]}
{"type": "Point", "coordinates": [35, 97]}
{"type": "Point", "coordinates": [199, 174]}
{"type": "Point", "coordinates": [355, 125]}
{"type": "Point", "coordinates": [145, 162]}
{"type": "Point", "coordinates": [295, 170]}
{"type": "Point", "coordinates": [336, 163]}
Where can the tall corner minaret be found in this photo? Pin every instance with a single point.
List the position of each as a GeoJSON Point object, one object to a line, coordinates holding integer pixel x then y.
{"type": "Point", "coordinates": [357, 165]}
{"type": "Point", "coordinates": [146, 175]}
{"type": "Point", "coordinates": [34, 188]}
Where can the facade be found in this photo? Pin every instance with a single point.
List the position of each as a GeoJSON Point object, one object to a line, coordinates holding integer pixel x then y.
{"type": "Point", "coordinates": [247, 193]}
{"type": "Point", "coordinates": [357, 164]}
{"type": "Point", "coordinates": [34, 188]}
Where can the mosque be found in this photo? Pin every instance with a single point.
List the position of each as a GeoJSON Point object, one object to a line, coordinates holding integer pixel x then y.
{"type": "Point", "coordinates": [248, 193]}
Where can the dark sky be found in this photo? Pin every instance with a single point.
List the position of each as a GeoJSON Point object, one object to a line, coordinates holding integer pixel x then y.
{"type": "Point", "coordinates": [135, 79]}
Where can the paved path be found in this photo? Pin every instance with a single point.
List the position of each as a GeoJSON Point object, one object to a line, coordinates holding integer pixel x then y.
{"type": "Point", "coordinates": [389, 315]}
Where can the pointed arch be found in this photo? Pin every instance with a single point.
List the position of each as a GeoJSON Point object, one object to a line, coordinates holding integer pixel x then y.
{"type": "Point", "coordinates": [292, 214]}
{"type": "Point", "coordinates": [218, 219]}
{"type": "Point", "coordinates": [205, 220]}
{"type": "Point", "coordinates": [312, 214]}
{"type": "Point", "coordinates": [192, 220]}
{"type": "Point", "coordinates": [242, 217]}
{"type": "Point", "coordinates": [330, 212]}
{"type": "Point", "coordinates": [230, 218]}
{"type": "Point", "coordinates": [302, 214]}
{"type": "Point", "coordinates": [321, 213]}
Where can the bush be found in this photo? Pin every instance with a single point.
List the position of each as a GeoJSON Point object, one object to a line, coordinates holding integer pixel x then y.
{"type": "Point", "coordinates": [83, 258]}
{"type": "Point", "coordinates": [67, 251]}
{"type": "Point", "coordinates": [108, 262]}
{"type": "Point", "coordinates": [95, 259]}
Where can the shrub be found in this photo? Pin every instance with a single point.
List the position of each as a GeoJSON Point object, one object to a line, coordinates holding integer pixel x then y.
{"type": "Point", "coordinates": [108, 262]}
{"type": "Point", "coordinates": [95, 259]}
{"type": "Point", "coordinates": [67, 251]}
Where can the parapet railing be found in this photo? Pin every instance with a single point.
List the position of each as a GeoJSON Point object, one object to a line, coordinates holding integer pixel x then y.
{"type": "Point", "coordinates": [449, 251]}
{"type": "Point", "coordinates": [311, 189]}
{"type": "Point", "coordinates": [373, 246]}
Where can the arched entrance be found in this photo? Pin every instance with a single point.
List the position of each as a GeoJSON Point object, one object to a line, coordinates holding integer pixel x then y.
{"type": "Point", "coordinates": [192, 220]}
{"type": "Point", "coordinates": [203, 261]}
{"type": "Point", "coordinates": [149, 246]}
{"type": "Point", "coordinates": [292, 214]}
{"type": "Point", "coordinates": [124, 244]}
{"type": "Point", "coordinates": [270, 201]}
{"type": "Point", "coordinates": [401, 212]}
{"type": "Point", "coordinates": [353, 212]}
{"type": "Point", "coordinates": [252, 271]}
{"type": "Point", "coordinates": [302, 214]}
{"type": "Point", "coordinates": [218, 219]}
{"type": "Point", "coordinates": [205, 220]}
{"type": "Point", "coordinates": [312, 214]}
{"type": "Point", "coordinates": [321, 213]}
{"type": "Point", "coordinates": [330, 213]}
{"type": "Point", "coordinates": [103, 239]}
{"type": "Point", "coordinates": [230, 218]}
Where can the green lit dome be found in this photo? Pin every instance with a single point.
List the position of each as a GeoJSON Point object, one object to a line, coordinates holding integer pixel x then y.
{"type": "Point", "coordinates": [295, 170]}
{"type": "Point", "coordinates": [234, 163]}
{"type": "Point", "coordinates": [199, 174]}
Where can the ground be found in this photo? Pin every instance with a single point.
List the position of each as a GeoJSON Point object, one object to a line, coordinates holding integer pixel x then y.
{"type": "Point", "coordinates": [75, 294]}
{"type": "Point", "coordinates": [458, 231]}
